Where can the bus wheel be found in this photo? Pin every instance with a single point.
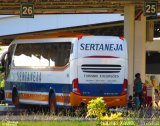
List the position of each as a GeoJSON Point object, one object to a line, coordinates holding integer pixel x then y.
{"type": "Point", "coordinates": [52, 104]}
{"type": "Point", "coordinates": [15, 99]}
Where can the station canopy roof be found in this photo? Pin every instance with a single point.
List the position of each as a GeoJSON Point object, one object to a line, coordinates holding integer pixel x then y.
{"type": "Point", "coordinates": [12, 7]}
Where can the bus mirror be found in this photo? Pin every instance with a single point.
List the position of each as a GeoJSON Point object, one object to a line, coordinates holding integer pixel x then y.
{"type": "Point", "coordinates": [3, 61]}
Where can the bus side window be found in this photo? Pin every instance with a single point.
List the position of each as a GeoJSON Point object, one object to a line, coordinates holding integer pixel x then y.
{"type": "Point", "coordinates": [63, 54]}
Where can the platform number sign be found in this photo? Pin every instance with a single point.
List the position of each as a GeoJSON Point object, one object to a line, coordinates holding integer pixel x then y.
{"type": "Point", "coordinates": [27, 10]}
{"type": "Point", "coordinates": [150, 8]}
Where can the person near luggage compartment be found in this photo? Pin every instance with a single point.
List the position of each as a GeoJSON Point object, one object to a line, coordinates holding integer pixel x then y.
{"type": "Point", "coordinates": [138, 85]}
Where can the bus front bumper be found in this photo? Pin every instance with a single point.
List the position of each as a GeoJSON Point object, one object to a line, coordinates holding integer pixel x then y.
{"type": "Point", "coordinates": [111, 101]}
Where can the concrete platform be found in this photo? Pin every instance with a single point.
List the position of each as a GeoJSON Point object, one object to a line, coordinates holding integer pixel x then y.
{"type": "Point", "coordinates": [8, 108]}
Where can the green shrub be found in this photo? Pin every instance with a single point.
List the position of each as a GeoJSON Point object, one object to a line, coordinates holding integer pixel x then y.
{"type": "Point", "coordinates": [96, 107]}
{"type": "Point", "coordinates": [1, 76]}
{"type": "Point", "coordinates": [2, 84]}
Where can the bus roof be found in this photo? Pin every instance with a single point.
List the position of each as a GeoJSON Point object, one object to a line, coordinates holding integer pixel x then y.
{"type": "Point", "coordinates": [53, 35]}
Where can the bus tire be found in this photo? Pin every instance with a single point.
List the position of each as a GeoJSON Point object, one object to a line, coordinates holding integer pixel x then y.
{"type": "Point", "coordinates": [52, 104]}
{"type": "Point", "coordinates": [15, 99]}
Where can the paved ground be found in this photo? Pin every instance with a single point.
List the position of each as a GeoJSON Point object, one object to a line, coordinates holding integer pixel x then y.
{"type": "Point", "coordinates": [13, 114]}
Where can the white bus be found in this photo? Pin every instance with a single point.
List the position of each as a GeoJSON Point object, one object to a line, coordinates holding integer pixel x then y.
{"type": "Point", "coordinates": [66, 69]}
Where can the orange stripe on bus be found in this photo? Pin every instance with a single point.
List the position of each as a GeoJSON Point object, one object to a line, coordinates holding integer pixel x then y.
{"type": "Point", "coordinates": [53, 35]}
{"type": "Point", "coordinates": [109, 100]}
{"type": "Point", "coordinates": [63, 99]}
{"type": "Point", "coordinates": [39, 97]}
{"type": "Point", "coordinates": [8, 95]}
{"type": "Point", "coordinates": [36, 97]}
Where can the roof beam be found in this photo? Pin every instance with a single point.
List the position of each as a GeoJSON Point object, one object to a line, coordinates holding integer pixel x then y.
{"type": "Point", "coordinates": [70, 6]}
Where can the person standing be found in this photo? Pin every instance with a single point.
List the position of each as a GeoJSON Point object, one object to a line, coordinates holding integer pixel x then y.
{"type": "Point", "coordinates": [138, 86]}
{"type": "Point", "coordinates": [157, 97]}
{"type": "Point", "coordinates": [131, 103]}
{"type": "Point", "coordinates": [144, 95]}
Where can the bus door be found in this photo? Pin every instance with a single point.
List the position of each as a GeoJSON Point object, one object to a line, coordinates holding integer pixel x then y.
{"type": "Point", "coordinates": [63, 55]}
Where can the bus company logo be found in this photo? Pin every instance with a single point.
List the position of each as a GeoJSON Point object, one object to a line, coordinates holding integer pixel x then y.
{"type": "Point", "coordinates": [29, 76]}
{"type": "Point", "coordinates": [101, 47]}
{"type": "Point", "coordinates": [101, 76]}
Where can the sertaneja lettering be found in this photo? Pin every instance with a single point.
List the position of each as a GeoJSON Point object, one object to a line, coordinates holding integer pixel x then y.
{"type": "Point", "coordinates": [101, 47]}
{"type": "Point", "coordinates": [29, 76]}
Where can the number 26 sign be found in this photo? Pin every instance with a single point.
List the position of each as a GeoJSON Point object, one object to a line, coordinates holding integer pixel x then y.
{"type": "Point", "coordinates": [27, 10]}
{"type": "Point", "coordinates": [150, 8]}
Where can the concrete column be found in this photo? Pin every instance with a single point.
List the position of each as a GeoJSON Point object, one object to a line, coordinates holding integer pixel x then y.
{"type": "Point", "coordinates": [140, 47]}
{"type": "Point", "coordinates": [129, 15]}
{"type": "Point", "coordinates": [149, 31]}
